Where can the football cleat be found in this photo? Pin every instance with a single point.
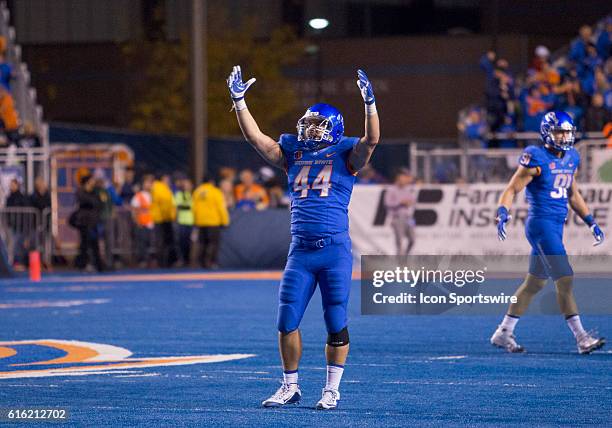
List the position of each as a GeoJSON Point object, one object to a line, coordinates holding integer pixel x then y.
{"type": "Point", "coordinates": [587, 343]}
{"type": "Point", "coordinates": [288, 393]}
{"type": "Point", "coordinates": [329, 400]}
{"type": "Point", "coordinates": [502, 338]}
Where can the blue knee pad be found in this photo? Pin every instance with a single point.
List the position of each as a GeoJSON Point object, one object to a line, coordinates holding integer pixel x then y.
{"type": "Point", "coordinates": [296, 289]}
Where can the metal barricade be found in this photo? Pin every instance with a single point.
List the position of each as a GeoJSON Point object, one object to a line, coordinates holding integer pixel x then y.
{"type": "Point", "coordinates": [121, 235]}
{"type": "Point", "coordinates": [20, 228]}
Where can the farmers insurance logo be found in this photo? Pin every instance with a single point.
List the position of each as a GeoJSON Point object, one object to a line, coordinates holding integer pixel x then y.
{"type": "Point", "coordinates": [422, 216]}
{"type": "Point", "coordinates": [50, 357]}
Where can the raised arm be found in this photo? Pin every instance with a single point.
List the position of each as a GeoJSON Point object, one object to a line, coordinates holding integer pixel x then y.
{"type": "Point", "coordinates": [580, 207]}
{"type": "Point", "coordinates": [362, 152]}
{"type": "Point", "coordinates": [267, 148]}
{"type": "Point", "coordinates": [521, 178]}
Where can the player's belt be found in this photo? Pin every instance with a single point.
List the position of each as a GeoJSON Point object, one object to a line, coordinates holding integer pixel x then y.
{"type": "Point", "coordinates": [322, 242]}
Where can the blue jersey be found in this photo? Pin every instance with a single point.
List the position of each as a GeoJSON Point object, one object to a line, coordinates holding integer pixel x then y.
{"type": "Point", "coordinates": [320, 187]}
{"type": "Point", "coordinates": [548, 192]}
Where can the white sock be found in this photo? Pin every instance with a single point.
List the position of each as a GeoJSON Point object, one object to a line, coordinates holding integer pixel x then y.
{"type": "Point", "coordinates": [509, 322]}
{"type": "Point", "coordinates": [334, 374]}
{"type": "Point", "coordinates": [573, 322]}
{"type": "Point", "coordinates": [290, 376]}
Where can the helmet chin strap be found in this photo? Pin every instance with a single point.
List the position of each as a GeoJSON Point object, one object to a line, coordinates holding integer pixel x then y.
{"type": "Point", "coordinates": [554, 150]}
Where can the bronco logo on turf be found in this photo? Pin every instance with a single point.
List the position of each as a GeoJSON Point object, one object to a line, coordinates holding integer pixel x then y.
{"type": "Point", "coordinates": [51, 357]}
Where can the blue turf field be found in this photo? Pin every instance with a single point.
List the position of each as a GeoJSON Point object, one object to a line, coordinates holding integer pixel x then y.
{"type": "Point", "coordinates": [411, 371]}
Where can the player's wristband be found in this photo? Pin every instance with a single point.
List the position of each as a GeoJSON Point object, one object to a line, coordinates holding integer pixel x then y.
{"type": "Point", "coordinates": [589, 220]}
{"type": "Point", "coordinates": [370, 109]}
{"type": "Point", "coordinates": [502, 211]}
{"type": "Point", "coordinates": [239, 104]}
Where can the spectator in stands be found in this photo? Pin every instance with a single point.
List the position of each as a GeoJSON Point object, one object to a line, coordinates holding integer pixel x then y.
{"type": "Point", "coordinates": [227, 173]}
{"type": "Point", "coordinates": [87, 219]}
{"type": "Point", "coordinates": [141, 213]}
{"type": "Point", "coordinates": [8, 112]}
{"type": "Point", "coordinates": [28, 137]}
{"type": "Point", "coordinates": [41, 199]}
{"type": "Point", "coordinates": [278, 195]}
{"type": "Point", "coordinates": [509, 127]}
{"type": "Point", "coordinates": [540, 59]}
{"type": "Point", "coordinates": [535, 107]}
{"type": "Point", "coordinates": [499, 89]}
{"type": "Point", "coordinates": [570, 96]}
{"type": "Point", "coordinates": [586, 70]}
{"type": "Point", "coordinates": [8, 115]}
{"type": "Point", "coordinates": [368, 175]}
{"type": "Point", "coordinates": [18, 223]}
{"type": "Point", "coordinates": [6, 70]}
{"type": "Point", "coordinates": [128, 191]}
{"type": "Point", "coordinates": [210, 215]}
{"type": "Point", "coordinates": [164, 215]}
{"type": "Point", "coordinates": [227, 179]}
{"type": "Point", "coordinates": [578, 49]}
{"type": "Point", "coordinates": [400, 201]}
{"type": "Point", "coordinates": [604, 40]}
{"type": "Point", "coordinates": [597, 115]}
{"type": "Point", "coordinates": [250, 195]}
{"type": "Point", "coordinates": [110, 199]}
{"type": "Point", "coordinates": [227, 188]}
{"type": "Point", "coordinates": [184, 218]}
{"type": "Point", "coordinates": [600, 82]}
{"type": "Point", "coordinates": [274, 188]}
{"type": "Point", "coordinates": [473, 128]}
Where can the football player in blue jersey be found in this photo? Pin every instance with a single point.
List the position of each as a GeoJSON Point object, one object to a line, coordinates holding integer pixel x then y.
{"type": "Point", "coordinates": [548, 173]}
{"type": "Point", "coordinates": [321, 164]}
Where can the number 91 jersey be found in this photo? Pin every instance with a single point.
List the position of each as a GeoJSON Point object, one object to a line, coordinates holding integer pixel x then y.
{"type": "Point", "coordinates": [548, 192]}
{"type": "Point", "coordinates": [320, 186]}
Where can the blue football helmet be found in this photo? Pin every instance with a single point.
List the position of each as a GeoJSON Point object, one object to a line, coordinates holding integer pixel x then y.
{"type": "Point", "coordinates": [322, 124]}
{"type": "Point", "coordinates": [558, 131]}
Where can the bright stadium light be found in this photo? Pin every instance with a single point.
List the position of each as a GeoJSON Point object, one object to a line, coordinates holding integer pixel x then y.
{"type": "Point", "coordinates": [318, 23]}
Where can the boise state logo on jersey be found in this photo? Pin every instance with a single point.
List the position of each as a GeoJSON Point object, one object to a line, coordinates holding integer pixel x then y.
{"type": "Point", "coordinates": [525, 158]}
{"type": "Point", "coordinates": [297, 155]}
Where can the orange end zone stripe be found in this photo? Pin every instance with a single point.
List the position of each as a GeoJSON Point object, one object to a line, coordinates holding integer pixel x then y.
{"type": "Point", "coordinates": [74, 354]}
{"type": "Point", "coordinates": [6, 352]}
{"type": "Point", "coordinates": [109, 365]}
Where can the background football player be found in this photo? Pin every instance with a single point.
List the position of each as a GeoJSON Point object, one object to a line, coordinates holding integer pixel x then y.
{"type": "Point", "coordinates": [321, 165]}
{"type": "Point", "coordinates": [549, 174]}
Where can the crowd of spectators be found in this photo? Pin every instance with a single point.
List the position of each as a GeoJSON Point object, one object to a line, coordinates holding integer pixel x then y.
{"type": "Point", "coordinates": [12, 131]}
{"type": "Point", "coordinates": [167, 213]}
{"type": "Point", "coordinates": [579, 82]}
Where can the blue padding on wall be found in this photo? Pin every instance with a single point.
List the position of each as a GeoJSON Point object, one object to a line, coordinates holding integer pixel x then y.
{"type": "Point", "coordinates": [256, 240]}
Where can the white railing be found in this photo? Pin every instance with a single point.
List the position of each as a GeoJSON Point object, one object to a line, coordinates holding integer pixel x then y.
{"type": "Point", "coordinates": [35, 161]}
{"type": "Point", "coordinates": [470, 164]}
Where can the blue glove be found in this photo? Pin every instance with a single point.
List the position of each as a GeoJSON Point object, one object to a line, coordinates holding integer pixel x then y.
{"type": "Point", "coordinates": [235, 84]}
{"type": "Point", "coordinates": [595, 230]}
{"type": "Point", "coordinates": [502, 218]}
{"type": "Point", "coordinates": [365, 86]}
